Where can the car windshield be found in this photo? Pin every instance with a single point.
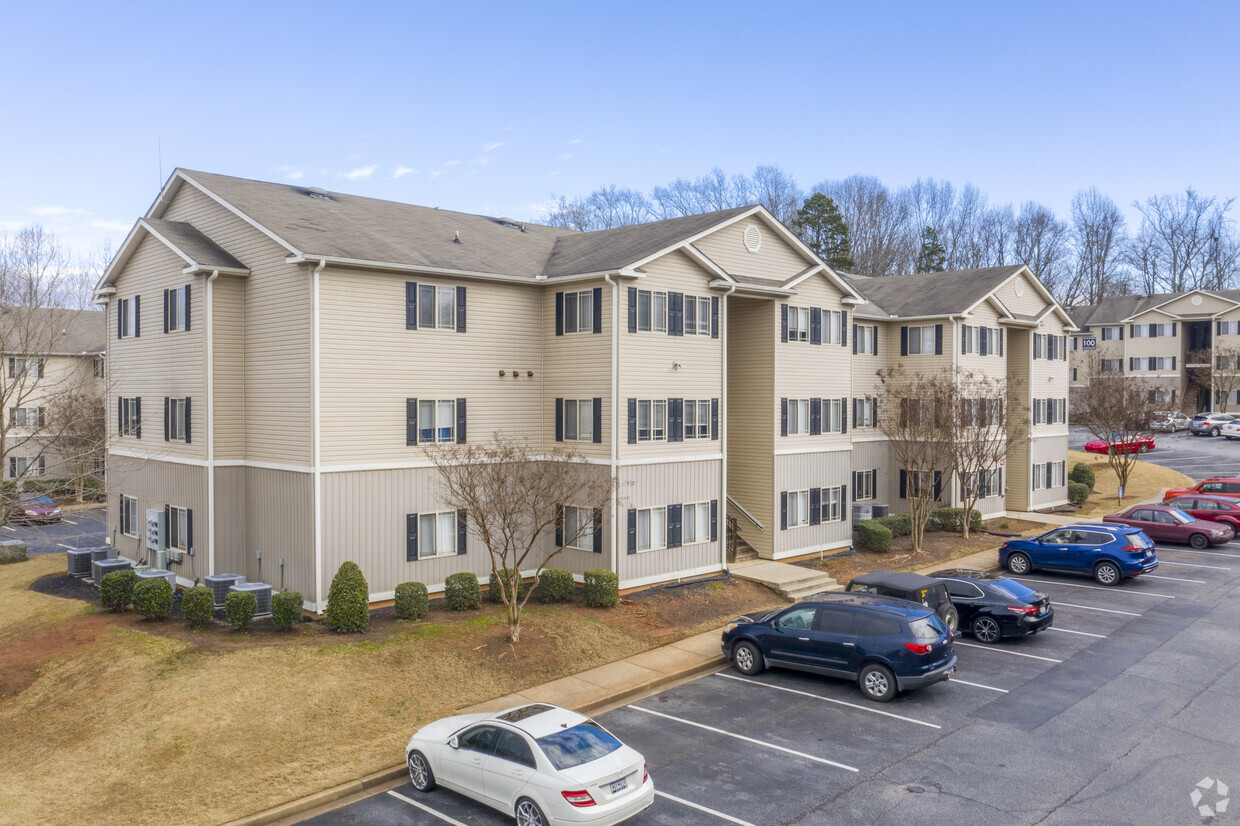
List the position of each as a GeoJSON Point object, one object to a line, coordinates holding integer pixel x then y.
{"type": "Point", "coordinates": [1015, 590]}
{"type": "Point", "coordinates": [579, 744]}
{"type": "Point", "coordinates": [927, 628]}
{"type": "Point", "coordinates": [1140, 539]}
{"type": "Point", "coordinates": [1180, 516]}
{"type": "Point", "coordinates": [37, 500]}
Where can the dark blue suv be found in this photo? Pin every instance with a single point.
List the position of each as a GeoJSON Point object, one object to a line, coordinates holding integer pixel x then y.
{"type": "Point", "coordinates": [886, 644]}
{"type": "Point", "coordinates": [1107, 552]}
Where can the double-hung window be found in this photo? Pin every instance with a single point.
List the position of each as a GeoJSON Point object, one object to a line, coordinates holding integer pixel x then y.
{"type": "Point", "coordinates": [921, 340]}
{"type": "Point", "coordinates": [651, 529]}
{"type": "Point", "coordinates": [1057, 474]}
{"type": "Point", "coordinates": [697, 418]}
{"type": "Point", "coordinates": [179, 528]}
{"type": "Point", "coordinates": [863, 412]}
{"type": "Point", "coordinates": [798, 508]}
{"type": "Point", "coordinates": [695, 523]}
{"type": "Point", "coordinates": [798, 417]}
{"type": "Point", "coordinates": [832, 326]}
{"type": "Point", "coordinates": [651, 420]}
{"type": "Point", "coordinates": [697, 315]}
{"type": "Point", "coordinates": [178, 420]}
{"type": "Point", "coordinates": [176, 309]}
{"type": "Point", "coordinates": [97, 366]}
{"type": "Point", "coordinates": [20, 368]}
{"type": "Point", "coordinates": [579, 420]}
{"type": "Point", "coordinates": [832, 504]}
{"type": "Point", "coordinates": [127, 317]}
{"type": "Point", "coordinates": [1112, 333]}
{"type": "Point", "coordinates": [832, 416]}
{"type": "Point", "coordinates": [129, 411]}
{"type": "Point", "coordinates": [437, 534]}
{"type": "Point", "coordinates": [579, 528]}
{"type": "Point", "coordinates": [1111, 365]}
{"type": "Point", "coordinates": [866, 337]}
{"type": "Point", "coordinates": [863, 484]}
{"type": "Point", "coordinates": [436, 420]}
{"type": "Point", "coordinates": [129, 515]}
{"type": "Point", "coordinates": [651, 311]}
{"type": "Point", "coordinates": [798, 323]}
{"type": "Point", "coordinates": [436, 307]}
{"type": "Point", "coordinates": [579, 312]}
{"type": "Point", "coordinates": [22, 466]}
{"type": "Point", "coordinates": [1228, 328]}
{"type": "Point", "coordinates": [26, 417]}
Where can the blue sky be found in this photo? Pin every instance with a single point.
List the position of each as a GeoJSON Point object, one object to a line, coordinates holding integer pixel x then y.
{"type": "Point", "coordinates": [495, 108]}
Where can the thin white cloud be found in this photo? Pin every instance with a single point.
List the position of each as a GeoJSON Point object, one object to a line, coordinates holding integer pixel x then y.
{"type": "Point", "coordinates": [435, 173]}
{"type": "Point", "coordinates": [553, 174]}
{"type": "Point", "coordinates": [402, 171]}
{"type": "Point", "coordinates": [487, 147]}
{"type": "Point", "coordinates": [289, 173]}
{"type": "Point", "coordinates": [43, 211]}
{"type": "Point", "coordinates": [574, 140]}
{"type": "Point", "coordinates": [111, 226]}
{"type": "Point", "coordinates": [566, 156]}
{"type": "Point", "coordinates": [451, 163]}
{"type": "Point", "coordinates": [481, 161]}
{"type": "Point", "coordinates": [361, 172]}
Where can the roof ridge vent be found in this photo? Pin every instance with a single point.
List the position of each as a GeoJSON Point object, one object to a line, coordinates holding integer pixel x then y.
{"type": "Point", "coordinates": [511, 222]}
{"type": "Point", "coordinates": [321, 194]}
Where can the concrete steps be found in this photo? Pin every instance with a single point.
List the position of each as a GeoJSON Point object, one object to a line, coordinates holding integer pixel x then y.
{"type": "Point", "coordinates": [789, 581]}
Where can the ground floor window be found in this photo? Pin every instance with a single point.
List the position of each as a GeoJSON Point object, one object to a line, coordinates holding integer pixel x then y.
{"type": "Point", "coordinates": [129, 516]}
{"type": "Point", "coordinates": [22, 466]}
{"type": "Point", "coordinates": [579, 528]}
{"type": "Point", "coordinates": [180, 528]}
{"type": "Point", "coordinates": [833, 504]}
{"type": "Point", "coordinates": [696, 522]}
{"type": "Point", "coordinates": [863, 484]}
{"type": "Point", "coordinates": [798, 508]}
{"type": "Point", "coordinates": [651, 529]}
{"type": "Point", "coordinates": [437, 534]}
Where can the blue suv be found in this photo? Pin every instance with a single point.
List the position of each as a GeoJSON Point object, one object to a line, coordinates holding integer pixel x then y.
{"type": "Point", "coordinates": [886, 644]}
{"type": "Point", "coordinates": [1107, 552]}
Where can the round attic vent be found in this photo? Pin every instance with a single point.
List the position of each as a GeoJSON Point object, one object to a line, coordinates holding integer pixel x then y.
{"type": "Point", "coordinates": [1196, 300]}
{"type": "Point", "coordinates": [753, 238]}
{"type": "Point", "coordinates": [1019, 286]}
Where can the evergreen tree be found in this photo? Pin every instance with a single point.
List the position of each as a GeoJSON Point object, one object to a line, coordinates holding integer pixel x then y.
{"type": "Point", "coordinates": [821, 226]}
{"type": "Point", "coordinates": [931, 257]}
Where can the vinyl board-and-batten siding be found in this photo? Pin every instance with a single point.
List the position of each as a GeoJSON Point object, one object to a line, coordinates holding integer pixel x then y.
{"type": "Point", "coordinates": [804, 471]}
{"type": "Point", "coordinates": [661, 485]}
{"type": "Point", "coordinates": [279, 519]}
{"type": "Point", "coordinates": [1041, 450]}
{"type": "Point", "coordinates": [157, 484]}
{"type": "Point", "coordinates": [752, 419]}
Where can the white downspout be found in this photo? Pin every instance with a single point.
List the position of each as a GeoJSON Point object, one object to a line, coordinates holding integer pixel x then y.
{"type": "Point", "coordinates": [211, 422]}
{"type": "Point", "coordinates": [615, 421]}
{"type": "Point", "coordinates": [723, 427]}
{"type": "Point", "coordinates": [955, 379]}
{"type": "Point", "coordinates": [315, 446]}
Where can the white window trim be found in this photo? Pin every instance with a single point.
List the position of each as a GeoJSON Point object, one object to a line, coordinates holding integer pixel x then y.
{"type": "Point", "coordinates": [703, 507]}
{"type": "Point", "coordinates": [436, 517]}
{"type": "Point", "coordinates": [178, 318]}
{"type": "Point", "coordinates": [436, 322]}
{"type": "Point", "coordinates": [798, 505]}
{"type": "Point", "coordinates": [437, 427]}
{"type": "Point", "coordinates": [832, 416]}
{"type": "Point", "coordinates": [797, 331]}
{"type": "Point", "coordinates": [701, 326]}
{"type": "Point", "coordinates": [658, 318]}
{"type": "Point", "coordinates": [576, 513]}
{"type": "Point", "coordinates": [652, 514]}
{"type": "Point", "coordinates": [585, 324]}
{"type": "Point", "coordinates": [177, 518]}
{"type": "Point", "coordinates": [133, 515]}
{"type": "Point", "coordinates": [701, 417]}
{"type": "Point", "coordinates": [832, 498]}
{"type": "Point", "coordinates": [653, 407]}
{"type": "Point", "coordinates": [800, 418]}
{"type": "Point", "coordinates": [585, 408]}
{"type": "Point", "coordinates": [176, 420]}
{"type": "Point", "coordinates": [865, 488]}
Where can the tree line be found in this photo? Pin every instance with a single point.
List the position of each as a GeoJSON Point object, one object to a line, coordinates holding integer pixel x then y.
{"type": "Point", "coordinates": [858, 224]}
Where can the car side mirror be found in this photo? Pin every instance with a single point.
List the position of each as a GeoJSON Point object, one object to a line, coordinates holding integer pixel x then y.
{"type": "Point", "coordinates": [454, 742]}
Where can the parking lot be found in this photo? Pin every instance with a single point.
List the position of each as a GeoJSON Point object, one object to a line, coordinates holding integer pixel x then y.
{"type": "Point", "coordinates": [1113, 715]}
{"type": "Point", "coordinates": [1196, 456]}
{"type": "Point", "coordinates": [80, 529]}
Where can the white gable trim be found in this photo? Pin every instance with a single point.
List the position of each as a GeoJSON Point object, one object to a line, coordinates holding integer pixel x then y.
{"type": "Point", "coordinates": [1135, 316]}
{"type": "Point", "coordinates": [703, 261]}
{"type": "Point", "coordinates": [1198, 291]}
{"type": "Point", "coordinates": [160, 205]}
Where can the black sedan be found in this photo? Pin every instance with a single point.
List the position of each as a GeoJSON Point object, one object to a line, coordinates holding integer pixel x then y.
{"type": "Point", "coordinates": [992, 606]}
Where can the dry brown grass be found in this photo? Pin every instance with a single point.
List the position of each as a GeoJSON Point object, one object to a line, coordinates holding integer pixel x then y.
{"type": "Point", "coordinates": [1147, 481]}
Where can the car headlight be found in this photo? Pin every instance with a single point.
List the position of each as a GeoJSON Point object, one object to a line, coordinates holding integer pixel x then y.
{"type": "Point", "coordinates": [736, 623]}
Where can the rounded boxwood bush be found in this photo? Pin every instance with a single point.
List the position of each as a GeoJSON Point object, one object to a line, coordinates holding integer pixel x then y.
{"type": "Point", "coordinates": [286, 609]}
{"type": "Point", "coordinates": [152, 598]}
{"type": "Point", "coordinates": [511, 578]}
{"type": "Point", "coordinates": [348, 600]}
{"type": "Point", "coordinates": [873, 536]}
{"type": "Point", "coordinates": [462, 592]}
{"type": "Point", "coordinates": [116, 590]}
{"type": "Point", "coordinates": [555, 585]}
{"type": "Point", "coordinates": [412, 601]}
{"type": "Point", "coordinates": [1078, 492]}
{"type": "Point", "coordinates": [900, 524]}
{"type": "Point", "coordinates": [239, 607]}
{"type": "Point", "coordinates": [197, 605]}
{"type": "Point", "coordinates": [951, 519]}
{"type": "Point", "coordinates": [602, 588]}
{"type": "Point", "coordinates": [1083, 474]}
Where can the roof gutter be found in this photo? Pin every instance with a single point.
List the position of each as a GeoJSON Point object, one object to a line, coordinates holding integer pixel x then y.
{"type": "Point", "coordinates": [723, 418]}
{"type": "Point", "coordinates": [210, 313]}
{"type": "Point", "coordinates": [391, 266]}
{"type": "Point", "coordinates": [756, 289]}
{"type": "Point", "coordinates": [613, 528]}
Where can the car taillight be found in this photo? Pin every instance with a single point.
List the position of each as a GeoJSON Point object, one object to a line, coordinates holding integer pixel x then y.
{"type": "Point", "coordinates": [579, 799]}
{"type": "Point", "coordinates": [1023, 609]}
{"type": "Point", "coordinates": [645, 773]}
{"type": "Point", "coordinates": [1133, 548]}
{"type": "Point", "coordinates": [918, 647]}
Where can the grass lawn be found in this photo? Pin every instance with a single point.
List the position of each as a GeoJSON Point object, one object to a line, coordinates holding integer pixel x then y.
{"type": "Point", "coordinates": [114, 719]}
{"type": "Point", "coordinates": [1146, 481]}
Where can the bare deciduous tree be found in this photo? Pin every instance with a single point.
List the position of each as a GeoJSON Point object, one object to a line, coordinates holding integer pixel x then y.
{"type": "Point", "coordinates": [1099, 235]}
{"type": "Point", "coordinates": [1217, 369]}
{"type": "Point", "coordinates": [1042, 244]}
{"type": "Point", "coordinates": [989, 420]}
{"type": "Point", "coordinates": [1117, 408]}
{"type": "Point", "coordinates": [78, 417]}
{"type": "Point", "coordinates": [515, 497]}
{"type": "Point", "coordinates": [1185, 242]}
{"type": "Point", "coordinates": [877, 225]}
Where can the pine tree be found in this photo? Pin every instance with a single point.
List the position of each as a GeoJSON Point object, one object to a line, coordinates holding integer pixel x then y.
{"type": "Point", "coordinates": [931, 257]}
{"type": "Point", "coordinates": [821, 226]}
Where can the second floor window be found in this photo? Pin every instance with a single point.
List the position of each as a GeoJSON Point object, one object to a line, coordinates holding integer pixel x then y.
{"type": "Point", "coordinates": [1111, 366]}
{"type": "Point", "coordinates": [1228, 328]}
{"type": "Point", "coordinates": [865, 339]}
{"type": "Point", "coordinates": [1112, 333]}
{"type": "Point", "coordinates": [26, 417]}
{"type": "Point", "coordinates": [1227, 362]}
{"type": "Point", "coordinates": [579, 420]}
{"type": "Point", "coordinates": [924, 340]}
{"type": "Point", "coordinates": [436, 421]}
{"type": "Point", "coordinates": [651, 311]}
{"type": "Point", "coordinates": [864, 413]}
{"type": "Point", "coordinates": [97, 368]}
{"type": "Point", "coordinates": [128, 318]}
{"type": "Point", "coordinates": [798, 323]}
{"type": "Point", "coordinates": [25, 368]}
{"type": "Point", "coordinates": [129, 416]}
{"type": "Point", "coordinates": [651, 420]}
{"type": "Point", "coordinates": [579, 312]}
{"type": "Point", "coordinates": [176, 420]}
{"type": "Point", "coordinates": [798, 417]}
{"type": "Point", "coordinates": [436, 307]}
{"type": "Point", "coordinates": [176, 309]}
{"type": "Point", "coordinates": [697, 315]}
{"type": "Point", "coordinates": [697, 419]}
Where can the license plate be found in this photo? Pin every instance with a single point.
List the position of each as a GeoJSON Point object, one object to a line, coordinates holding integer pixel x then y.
{"type": "Point", "coordinates": [619, 786]}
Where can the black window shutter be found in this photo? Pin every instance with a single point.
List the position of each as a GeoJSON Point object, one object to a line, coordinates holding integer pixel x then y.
{"type": "Point", "coordinates": [411, 314]}
{"type": "Point", "coordinates": [189, 528]}
{"type": "Point", "coordinates": [166, 310]}
{"type": "Point", "coordinates": [632, 309]}
{"type": "Point", "coordinates": [598, 530]}
{"type": "Point", "coordinates": [815, 506]}
{"type": "Point", "coordinates": [460, 533]}
{"type": "Point", "coordinates": [559, 314]}
{"type": "Point", "coordinates": [188, 429]}
{"type": "Point", "coordinates": [843, 328]}
{"type": "Point", "coordinates": [714, 520]}
{"type": "Point", "coordinates": [187, 312]}
{"type": "Point", "coordinates": [843, 496]}
{"type": "Point", "coordinates": [783, 511]}
{"type": "Point", "coordinates": [815, 417]}
{"type": "Point", "coordinates": [1173, 362]}
{"type": "Point", "coordinates": [783, 312]}
{"type": "Point", "coordinates": [460, 309]}
{"type": "Point", "coordinates": [167, 522]}
{"type": "Point", "coordinates": [964, 337]}
{"type": "Point", "coordinates": [559, 420]}
{"type": "Point", "coordinates": [938, 339]}
{"type": "Point", "coordinates": [632, 530]}
{"type": "Point", "coordinates": [1132, 330]}
{"type": "Point", "coordinates": [411, 421]}
{"type": "Point", "coordinates": [855, 405]}
{"type": "Point", "coordinates": [983, 339]}
{"type": "Point", "coordinates": [120, 415]}
{"type": "Point", "coordinates": [167, 404]}
{"type": "Point", "coordinates": [714, 316]}
{"type": "Point", "coordinates": [783, 417]}
{"type": "Point", "coordinates": [120, 323]}
{"type": "Point", "coordinates": [904, 341]}
{"type": "Point", "coordinates": [676, 420]}
{"type": "Point", "coordinates": [460, 421]}
{"type": "Point", "coordinates": [815, 325]}
{"type": "Point", "coordinates": [137, 412]}
{"type": "Point", "coordinates": [854, 345]}
{"type": "Point", "coordinates": [411, 537]}
{"type": "Point", "coordinates": [714, 418]}
{"type": "Point", "coordinates": [673, 525]}
{"type": "Point", "coordinates": [597, 405]}
{"type": "Point", "coordinates": [559, 526]}
{"type": "Point", "coordinates": [137, 316]}
{"type": "Point", "coordinates": [903, 484]}
{"type": "Point", "coordinates": [875, 329]}
{"type": "Point", "coordinates": [844, 415]}
{"type": "Point", "coordinates": [632, 421]}
{"type": "Point", "coordinates": [596, 304]}
{"type": "Point", "coordinates": [675, 314]}
{"type": "Point", "coordinates": [938, 485]}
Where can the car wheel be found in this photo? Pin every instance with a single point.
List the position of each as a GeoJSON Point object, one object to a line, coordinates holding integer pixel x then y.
{"type": "Point", "coordinates": [986, 629]}
{"type": "Point", "coordinates": [951, 616]}
{"type": "Point", "coordinates": [1199, 541]}
{"type": "Point", "coordinates": [877, 682]}
{"type": "Point", "coordinates": [1107, 573]}
{"type": "Point", "coordinates": [528, 813]}
{"type": "Point", "coordinates": [1214, 431]}
{"type": "Point", "coordinates": [420, 773]}
{"type": "Point", "coordinates": [1143, 449]}
{"type": "Point", "coordinates": [1019, 564]}
{"type": "Point", "coordinates": [748, 659]}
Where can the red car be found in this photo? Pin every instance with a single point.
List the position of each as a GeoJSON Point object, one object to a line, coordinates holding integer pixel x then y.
{"type": "Point", "coordinates": [35, 507]}
{"type": "Point", "coordinates": [1163, 522]}
{"type": "Point", "coordinates": [1210, 508]}
{"type": "Point", "coordinates": [1228, 486]}
{"type": "Point", "coordinates": [1119, 444]}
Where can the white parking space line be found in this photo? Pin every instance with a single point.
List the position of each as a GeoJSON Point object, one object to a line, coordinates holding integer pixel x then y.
{"type": "Point", "coordinates": [1082, 633]}
{"type": "Point", "coordinates": [1191, 551]}
{"type": "Point", "coordinates": [1100, 588]}
{"type": "Point", "coordinates": [1176, 579]}
{"type": "Point", "coordinates": [63, 545]}
{"type": "Point", "coordinates": [1095, 608]}
{"type": "Point", "coordinates": [976, 685]}
{"type": "Point", "coordinates": [425, 808]}
{"type": "Point", "coordinates": [843, 766]}
{"type": "Point", "coordinates": [701, 808]}
{"type": "Point", "coordinates": [7, 528]}
{"type": "Point", "coordinates": [827, 699]}
{"type": "Point", "coordinates": [70, 521]}
{"type": "Point", "coordinates": [1006, 651]}
{"type": "Point", "coordinates": [1195, 565]}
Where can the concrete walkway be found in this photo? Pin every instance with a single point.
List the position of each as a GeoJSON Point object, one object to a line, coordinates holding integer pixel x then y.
{"type": "Point", "coordinates": [789, 581]}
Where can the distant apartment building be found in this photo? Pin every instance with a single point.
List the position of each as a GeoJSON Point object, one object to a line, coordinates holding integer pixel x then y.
{"type": "Point", "coordinates": [303, 347]}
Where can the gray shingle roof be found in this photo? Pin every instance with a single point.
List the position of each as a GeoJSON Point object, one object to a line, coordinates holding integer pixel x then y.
{"type": "Point", "coordinates": [930, 294]}
{"type": "Point", "coordinates": [81, 331]}
{"type": "Point", "coordinates": [1116, 308]}
{"type": "Point", "coordinates": [194, 245]}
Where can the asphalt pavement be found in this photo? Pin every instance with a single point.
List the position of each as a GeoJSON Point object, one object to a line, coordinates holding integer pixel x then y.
{"type": "Point", "coordinates": [80, 529]}
{"type": "Point", "coordinates": [1196, 456]}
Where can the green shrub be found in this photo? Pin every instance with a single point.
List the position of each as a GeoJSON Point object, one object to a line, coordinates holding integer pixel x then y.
{"type": "Point", "coordinates": [1078, 492]}
{"type": "Point", "coordinates": [152, 598]}
{"type": "Point", "coordinates": [873, 536]}
{"type": "Point", "coordinates": [286, 609]}
{"type": "Point", "coordinates": [116, 590]}
{"type": "Point", "coordinates": [239, 607]}
{"type": "Point", "coordinates": [348, 600]}
{"type": "Point", "coordinates": [197, 605]}
{"type": "Point", "coordinates": [602, 588]}
{"type": "Point", "coordinates": [462, 592]}
{"type": "Point", "coordinates": [900, 524]}
{"type": "Point", "coordinates": [511, 577]}
{"type": "Point", "coordinates": [1083, 474]}
{"type": "Point", "coordinates": [952, 519]}
{"type": "Point", "coordinates": [555, 585]}
{"type": "Point", "coordinates": [412, 601]}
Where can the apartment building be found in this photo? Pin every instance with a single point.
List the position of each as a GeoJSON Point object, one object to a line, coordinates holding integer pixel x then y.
{"type": "Point", "coordinates": [312, 343]}
{"type": "Point", "coordinates": [1177, 343]}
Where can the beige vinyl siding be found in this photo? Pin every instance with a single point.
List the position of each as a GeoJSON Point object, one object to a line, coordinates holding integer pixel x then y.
{"type": "Point", "coordinates": [812, 470]}
{"type": "Point", "coordinates": [277, 330]}
{"type": "Point", "coordinates": [156, 484]}
{"type": "Point", "coordinates": [1041, 450]}
{"type": "Point", "coordinates": [578, 366]}
{"type": "Point", "coordinates": [1018, 348]}
{"type": "Point", "coordinates": [1048, 378]}
{"type": "Point", "coordinates": [279, 521]}
{"type": "Point", "coordinates": [752, 417]}
{"type": "Point", "coordinates": [1163, 346]}
{"type": "Point", "coordinates": [228, 340]}
{"type": "Point", "coordinates": [1029, 303]}
{"type": "Point", "coordinates": [648, 360]}
{"type": "Point", "coordinates": [811, 371]}
{"type": "Point", "coordinates": [991, 365]}
{"type": "Point", "coordinates": [649, 486]}
{"type": "Point", "coordinates": [923, 362]}
{"type": "Point", "coordinates": [370, 364]}
{"type": "Point", "coordinates": [776, 260]}
{"type": "Point", "coordinates": [1207, 305]}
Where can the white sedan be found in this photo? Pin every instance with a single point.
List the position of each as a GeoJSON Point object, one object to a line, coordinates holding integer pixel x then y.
{"type": "Point", "coordinates": [540, 763]}
{"type": "Point", "coordinates": [1231, 430]}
